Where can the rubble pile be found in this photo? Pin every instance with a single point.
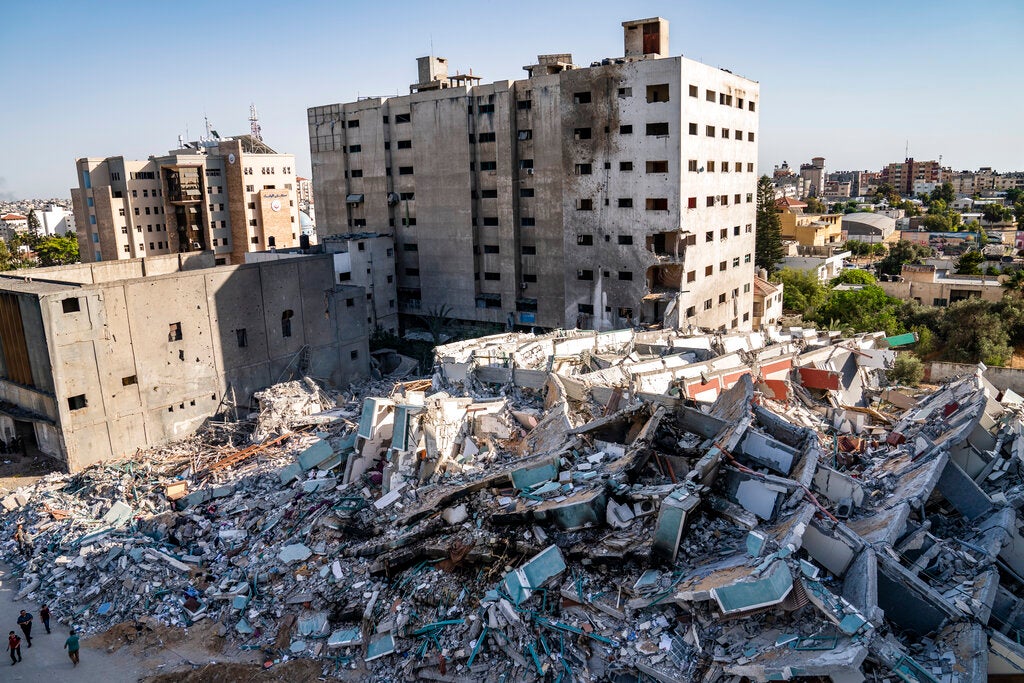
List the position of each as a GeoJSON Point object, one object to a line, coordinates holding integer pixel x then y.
{"type": "Point", "coordinates": [574, 506]}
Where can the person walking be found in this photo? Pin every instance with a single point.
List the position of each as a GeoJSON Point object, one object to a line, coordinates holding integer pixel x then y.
{"type": "Point", "coordinates": [44, 616]}
{"type": "Point", "coordinates": [14, 645]}
{"type": "Point", "coordinates": [25, 622]}
{"type": "Point", "coordinates": [71, 645]}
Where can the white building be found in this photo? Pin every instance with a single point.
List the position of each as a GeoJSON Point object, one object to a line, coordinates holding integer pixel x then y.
{"type": "Point", "coordinates": [600, 197]}
{"type": "Point", "coordinates": [56, 220]}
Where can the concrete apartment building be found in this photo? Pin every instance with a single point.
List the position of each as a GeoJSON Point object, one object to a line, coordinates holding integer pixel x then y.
{"type": "Point", "coordinates": [229, 195]}
{"type": "Point", "coordinates": [903, 174]}
{"type": "Point", "coordinates": [99, 359]}
{"type": "Point", "coordinates": [604, 196]}
{"type": "Point", "coordinates": [808, 229]}
{"type": "Point", "coordinates": [814, 176]}
{"type": "Point", "coordinates": [931, 286]}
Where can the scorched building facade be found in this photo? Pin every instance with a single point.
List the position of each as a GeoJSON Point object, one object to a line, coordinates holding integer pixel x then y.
{"type": "Point", "coordinates": [600, 197]}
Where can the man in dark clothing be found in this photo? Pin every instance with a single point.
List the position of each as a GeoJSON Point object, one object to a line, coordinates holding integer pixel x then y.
{"type": "Point", "coordinates": [25, 622]}
{"type": "Point", "coordinates": [14, 645]}
{"type": "Point", "coordinates": [71, 644]}
{"type": "Point", "coordinates": [44, 616]}
{"type": "Point", "coordinates": [24, 542]}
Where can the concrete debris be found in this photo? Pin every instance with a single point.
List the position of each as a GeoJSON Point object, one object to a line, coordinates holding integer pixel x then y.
{"type": "Point", "coordinates": [572, 506]}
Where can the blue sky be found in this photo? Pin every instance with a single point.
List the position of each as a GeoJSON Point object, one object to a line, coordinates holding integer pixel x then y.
{"type": "Point", "coordinates": [852, 82]}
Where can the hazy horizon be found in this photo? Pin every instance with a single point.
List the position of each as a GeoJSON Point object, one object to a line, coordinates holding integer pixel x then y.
{"type": "Point", "coordinates": [128, 79]}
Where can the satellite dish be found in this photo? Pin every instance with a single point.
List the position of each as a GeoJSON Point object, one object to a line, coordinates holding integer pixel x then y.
{"type": "Point", "coordinates": [392, 198]}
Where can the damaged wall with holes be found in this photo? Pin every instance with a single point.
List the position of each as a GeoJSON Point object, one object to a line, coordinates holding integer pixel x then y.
{"type": "Point", "coordinates": [134, 362]}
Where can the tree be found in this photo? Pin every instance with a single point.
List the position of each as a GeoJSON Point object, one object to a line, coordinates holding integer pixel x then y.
{"type": "Point", "coordinates": [802, 291]}
{"type": "Point", "coordinates": [768, 239]}
{"type": "Point", "coordinates": [437, 320]}
{"type": "Point", "coordinates": [937, 222]}
{"type": "Point", "coordinates": [900, 253]}
{"type": "Point", "coordinates": [907, 370]}
{"type": "Point", "coordinates": [814, 205]}
{"type": "Point", "coordinates": [862, 310]}
{"type": "Point", "coordinates": [853, 276]}
{"type": "Point", "coordinates": [57, 251]}
{"type": "Point", "coordinates": [888, 193]}
{"type": "Point", "coordinates": [944, 192]}
{"type": "Point", "coordinates": [33, 225]}
{"type": "Point", "coordinates": [974, 331]}
{"type": "Point", "coordinates": [6, 260]}
{"type": "Point", "coordinates": [992, 213]}
{"type": "Point", "coordinates": [970, 262]}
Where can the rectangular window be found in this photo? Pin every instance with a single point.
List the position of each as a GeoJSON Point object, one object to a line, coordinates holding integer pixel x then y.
{"type": "Point", "coordinates": [723, 233]}
{"type": "Point", "coordinates": [625, 165]}
{"type": "Point", "coordinates": [354, 123]}
{"type": "Point", "coordinates": [483, 137]}
{"type": "Point", "coordinates": [527, 221]}
{"type": "Point", "coordinates": [746, 258]}
{"type": "Point", "coordinates": [581, 133]}
{"type": "Point", "coordinates": [656, 204]}
{"type": "Point", "coordinates": [738, 134]}
{"type": "Point", "coordinates": [625, 275]}
{"type": "Point", "coordinates": [657, 167]}
{"type": "Point", "coordinates": [736, 230]}
{"type": "Point", "coordinates": [128, 381]}
{"type": "Point", "coordinates": [660, 128]}
{"type": "Point", "coordinates": [490, 220]}
{"type": "Point", "coordinates": [710, 166]}
{"type": "Point", "coordinates": [721, 298]}
{"type": "Point", "coordinates": [526, 192]}
{"type": "Point", "coordinates": [403, 118]}
{"type": "Point", "coordinates": [174, 332]}
{"type": "Point", "coordinates": [694, 91]}
{"type": "Point", "coordinates": [585, 240]}
{"type": "Point", "coordinates": [410, 246]}
{"type": "Point", "coordinates": [626, 239]}
{"type": "Point", "coordinates": [406, 144]}
{"type": "Point", "coordinates": [725, 99]}
{"type": "Point", "coordinates": [723, 265]}
{"type": "Point", "coordinates": [710, 201]}
{"type": "Point", "coordinates": [707, 304]}
{"type": "Point", "coordinates": [524, 105]}
{"type": "Point", "coordinates": [693, 129]}
{"type": "Point", "coordinates": [356, 173]}
{"type": "Point", "coordinates": [407, 196]}
{"type": "Point", "coordinates": [657, 93]}
{"type": "Point", "coordinates": [750, 137]}
{"type": "Point", "coordinates": [412, 272]}
{"type": "Point", "coordinates": [585, 309]}
{"type": "Point", "coordinates": [241, 337]}
{"type": "Point", "coordinates": [725, 133]}
{"type": "Point", "coordinates": [491, 249]}
{"type": "Point", "coordinates": [77, 402]}
{"type": "Point", "coordinates": [488, 165]}
{"type": "Point", "coordinates": [709, 236]}
{"type": "Point", "coordinates": [626, 130]}
{"type": "Point", "coordinates": [488, 194]}
{"type": "Point", "coordinates": [736, 262]}
{"type": "Point", "coordinates": [625, 202]}
{"type": "Point", "coordinates": [529, 250]}
{"type": "Point", "coordinates": [485, 109]}
{"type": "Point", "coordinates": [353, 149]}
{"type": "Point", "coordinates": [407, 170]}
{"type": "Point", "coordinates": [526, 163]}
{"type": "Point", "coordinates": [625, 92]}
{"type": "Point", "coordinates": [492, 276]}
{"type": "Point", "coordinates": [584, 204]}
{"type": "Point", "coordinates": [71, 305]}
{"type": "Point", "coordinates": [581, 98]}
{"type": "Point", "coordinates": [584, 169]}
{"type": "Point", "coordinates": [691, 276]}
{"type": "Point", "coordinates": [750, 106]}
{"type": "Point", "coordinates": [709, 270]}
{"type": "Point", "coordinates": [709, 95]}
{"type": "Point", "coordinates": [584, 275]}
{"type": "Point", "coordinates": [725, 167]}
{"type": "Point", "coordinates": [691, 203]}
{"type": "Point", "coordinates": [691, 165]}
{"type": "Point", "coordinates": [525, 134]}
{"type": "Point", "coordinates": [709, 131]}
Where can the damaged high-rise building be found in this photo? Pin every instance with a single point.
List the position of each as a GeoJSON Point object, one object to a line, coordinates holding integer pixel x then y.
{"type": "Point", "coordinates": [599, 197]}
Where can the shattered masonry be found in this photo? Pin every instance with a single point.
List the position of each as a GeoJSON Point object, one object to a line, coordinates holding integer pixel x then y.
{"type": "Point", "coordinates": [574, 506]}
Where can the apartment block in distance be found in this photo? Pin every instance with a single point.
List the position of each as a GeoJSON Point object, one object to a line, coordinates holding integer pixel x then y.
{"type": "Point", "coordinates": [99, 359]}
{"type": "Point", "coordinates": [230, 196]}
{"type": "Point", "coordinates": [601, 196]}
{"type": "Point", "coordinates": [903, 174]}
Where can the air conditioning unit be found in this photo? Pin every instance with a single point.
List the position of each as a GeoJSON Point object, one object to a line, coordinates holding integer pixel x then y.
{"type": "Point", "coordinates": [529, 171]}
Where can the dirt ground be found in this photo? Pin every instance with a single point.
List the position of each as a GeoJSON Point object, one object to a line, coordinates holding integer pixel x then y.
{"type": "Point", "coordinates": [17, 470]}
{"type": "Point", "coordinates": [289, 672]}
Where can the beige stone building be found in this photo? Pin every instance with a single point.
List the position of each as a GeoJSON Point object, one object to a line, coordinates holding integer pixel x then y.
{"type": "Point", "coordinates": [604, 196]}
{"type": "Point", "coordinates": [808, 229]}
{"type": "Point", "coordinates": [767, 302]}
{"type": "Point", "coordinates": [932, 287]}
{"type": "Point", "coordinates": [230, 196]}
{"type": "Point", "coordinates": [99, 359]}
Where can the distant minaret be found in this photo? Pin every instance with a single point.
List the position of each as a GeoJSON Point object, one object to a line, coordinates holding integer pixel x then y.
{"type": "Point", "coordinates": [254, 124]}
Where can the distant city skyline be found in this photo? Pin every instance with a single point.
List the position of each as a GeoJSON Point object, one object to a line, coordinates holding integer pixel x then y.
{"type": "Point", "coordinates": [854, 87]}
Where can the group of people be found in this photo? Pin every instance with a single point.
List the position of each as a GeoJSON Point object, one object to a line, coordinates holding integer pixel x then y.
{"type": "Point", "coordinates": [15, 444]}
{"type": "Point", "coordinates": [25, 623]}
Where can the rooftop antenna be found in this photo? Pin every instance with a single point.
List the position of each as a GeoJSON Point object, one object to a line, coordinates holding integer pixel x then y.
{"type": "Point", "coordinates": [254, 123]}
{"type": "Point", "coordinates": [906, 150]}
{"type": "Point", "coordinates": [206, 121]}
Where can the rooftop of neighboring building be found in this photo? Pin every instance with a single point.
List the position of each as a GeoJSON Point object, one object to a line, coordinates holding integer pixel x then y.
{"type": "Point", "coordinates": [765, 288]}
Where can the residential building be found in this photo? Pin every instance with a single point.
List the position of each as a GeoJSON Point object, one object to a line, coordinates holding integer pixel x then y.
{"type": "Point", "coordinates": [56, 220]}
{"type": "Point", "coordinates": [303, 192]}
{"type": "Point", "coordinates": [767, 302]}
{"type": "Point", "coordinates": [12, 224]}
{"type": "Point", "coordinates": [808, 229]}
{"type": "Point", "coordinates": [842, 178]}
{"type": "Point", "coordinates": [600, 197]}
{"type": "Point", "coordinates": [826, 262]}
{"type": "Point", "coordinates": [930, 286]}
{"type": "Point", "coordinates": [231, 195]}
{"type": "Point", "coordinates": [814, 176]}
{"type": "Point", "coordinates": [868, 227]}
{"type": "Point", "coordinates": [835, 189]}
{"type": "Point", "coordinates": [903, 175]}
{"type": "Point", "coordinates": [99, 359]}
{"type": "Point", "coordinates": [985, 180]}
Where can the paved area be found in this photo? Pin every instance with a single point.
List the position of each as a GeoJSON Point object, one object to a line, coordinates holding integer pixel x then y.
{"type": "Point", "coordinates": [47, 660]}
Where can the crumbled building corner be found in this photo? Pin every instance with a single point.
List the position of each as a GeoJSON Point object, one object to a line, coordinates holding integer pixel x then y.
{"type": "Point", "coordinates": [571, 506]}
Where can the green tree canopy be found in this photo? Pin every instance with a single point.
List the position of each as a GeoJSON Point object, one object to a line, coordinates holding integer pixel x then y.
{"type": "Point", "coordinates": [854, 276]}
{"type": "Point", "coordinates": [862, 310]}
{"type": "Point", "coordinates": [994, 213]}
{"type": "Point", "coordinates": [768, 239]}
{"type": "Point", "coordinates": [814, 205]}
{"type": "Point", "coordinates": [970, 262]}
{"type": "Point", "coordinates": [907, 370]}
{"type": "Point", "coordinates": [57, 251]}
{"type": "Point", "coordinates": [900, 253]}
{"type": "Point", "coordinates": [974, 331]}
{"type": "Point", "coordinates": [802, 291]}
